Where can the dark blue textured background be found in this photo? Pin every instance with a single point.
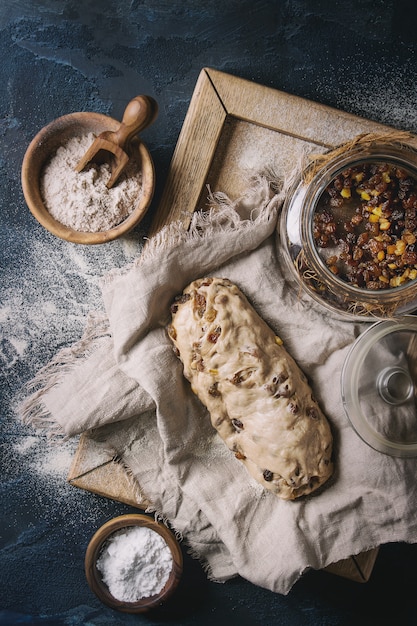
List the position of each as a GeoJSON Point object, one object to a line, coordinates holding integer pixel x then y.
{"type": "Point", "coordinates": [60, 56]}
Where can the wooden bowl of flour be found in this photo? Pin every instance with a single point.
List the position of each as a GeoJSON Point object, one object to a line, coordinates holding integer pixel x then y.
{"type": "Point", "coordinates": [110, 213]}
{"type": "Point", "coordinates": [133, 563]}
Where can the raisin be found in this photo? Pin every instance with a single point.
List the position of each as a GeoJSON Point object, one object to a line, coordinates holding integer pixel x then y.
{"type": "Point", "coordinates": [181, 299]}
{"type": "Point", "coordinates": [242, 375]}
{"type": "Point", "coordinates": [237, 424]}
{"type": "Point", "coordinates": [283, 391]}
{"type": "Point", "coordinates": [213, 336]}
{"type": "Point", "coordinates": [211, 315]}
{"type": "Point", "coordinates": [332, 260]}
{"type": "Point", "coordinates": [313, 481]}
{"type": "Point", "coordinates": [280, 378]}
{"type": "Point", "coordinates": [375, 246]}
{"type": "Point", "coordinates": [374, 285]}
{"type": "Point", "coordinates": [237, 378]}
{"type": "Point", "coordinates": [214, 391]}
{"type": "Point", "coordinates": [313, 413]}
{"type": "Point", "coordinates": [363, 239]}
{"type": "Point", "coordinates": [199, 304]}
{"type": "Point", "coordinates": [178, 300]}
{"type": "Point", "coordinates": [356, 220]}
{"type": "Point", "coordinates": [409, 257]}
{"type": "Point", "coordinates": [172, 331]}
{"type": "Point", "coordinates": [357, 254]}
{"type": "Point", "coordinates": [379, 210]}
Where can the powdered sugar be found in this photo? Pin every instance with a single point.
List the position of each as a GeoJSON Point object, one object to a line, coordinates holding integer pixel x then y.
{"type": "Point", "coordinates": [135, 563]}
{"type": "Point", "coordinates": [81, 200]}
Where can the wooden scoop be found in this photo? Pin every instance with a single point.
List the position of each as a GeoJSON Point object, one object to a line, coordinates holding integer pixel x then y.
{"type": "Point", "coordinates": [139, 113]}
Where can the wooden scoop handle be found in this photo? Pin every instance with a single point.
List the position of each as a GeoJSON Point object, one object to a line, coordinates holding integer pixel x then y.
{"type": "Point", "coordinates": [139, 114]}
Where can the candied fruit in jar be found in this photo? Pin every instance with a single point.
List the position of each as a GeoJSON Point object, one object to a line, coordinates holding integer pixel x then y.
{"type": "Point", "coordinates": [367, 219]}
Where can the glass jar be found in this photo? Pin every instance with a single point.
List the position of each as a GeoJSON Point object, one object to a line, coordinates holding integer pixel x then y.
{"type": "Point", "coordinates": [308, 264]}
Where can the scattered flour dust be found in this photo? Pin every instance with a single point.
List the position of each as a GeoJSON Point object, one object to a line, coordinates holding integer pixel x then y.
{"type": "Point", "coordinates": [49, 461]}
{"type": "Point", "coordinates": [135, 563]}
{"type": "Point", "coordinates": [44, 467]}
{"type": "Point", "coordinates": [44, 304]}
{"type": "Point", "coordinates": [81, 200]}
{"type": "Point", "coordinates": [387, 95]}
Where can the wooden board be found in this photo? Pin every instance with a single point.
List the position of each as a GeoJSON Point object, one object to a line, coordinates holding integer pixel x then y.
{"type": "Point", "coordinates": [233, 129]}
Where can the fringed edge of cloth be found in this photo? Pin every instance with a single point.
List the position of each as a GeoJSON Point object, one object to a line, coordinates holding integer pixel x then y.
{"type": "Point", "coordinates": [223, 215]}
{"type": "Point", "coordinates": [260, 204]}
{"type": "Point", "coordinates": [32, 409]}
{"type": "Point", "coordinates": [140, 496]}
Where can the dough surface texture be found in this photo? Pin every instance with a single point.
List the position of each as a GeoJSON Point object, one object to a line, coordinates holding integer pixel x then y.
{"type": "Point", "coordinates": [259, 400]}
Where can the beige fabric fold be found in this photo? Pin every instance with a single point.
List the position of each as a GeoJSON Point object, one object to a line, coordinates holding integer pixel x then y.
{"type": "Point", "coordinates": [128, 386]}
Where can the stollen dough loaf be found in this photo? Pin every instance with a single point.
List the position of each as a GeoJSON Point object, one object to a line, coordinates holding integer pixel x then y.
{"type": "Point", "coordinates": [258, 399]}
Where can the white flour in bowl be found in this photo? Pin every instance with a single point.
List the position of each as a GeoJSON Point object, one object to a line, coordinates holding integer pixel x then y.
{"type": "Point", "coordinates": [81, 200]}
{"type": "Point", "coordinates": [135, 563]}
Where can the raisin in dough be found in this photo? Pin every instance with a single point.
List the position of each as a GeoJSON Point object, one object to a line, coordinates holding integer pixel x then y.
{"type": "Point", "coordinates": [259, 400]}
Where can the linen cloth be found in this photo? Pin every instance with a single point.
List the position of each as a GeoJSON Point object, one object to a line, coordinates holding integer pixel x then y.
{"type": "Point", "coordinates": [123, 383]}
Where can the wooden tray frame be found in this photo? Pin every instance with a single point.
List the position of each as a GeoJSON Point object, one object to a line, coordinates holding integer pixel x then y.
{"type": "Point", "coordinates": [217, 99]}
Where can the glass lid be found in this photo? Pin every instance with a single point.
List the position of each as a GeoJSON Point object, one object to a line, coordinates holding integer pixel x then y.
{"type": "Point", "coordinates": [379, 386]}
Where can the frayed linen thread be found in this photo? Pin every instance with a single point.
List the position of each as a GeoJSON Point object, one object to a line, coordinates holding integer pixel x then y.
{"type": "Point", "coordinates": [32, 409]}
{"type": "Point", "coordinates": [222, 216]}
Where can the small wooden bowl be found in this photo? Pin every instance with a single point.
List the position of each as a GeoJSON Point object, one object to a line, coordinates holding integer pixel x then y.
{"type": "Point", "coordinates": [42, 148]}
{"type": "Point", "coordinates": [94, 577]}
